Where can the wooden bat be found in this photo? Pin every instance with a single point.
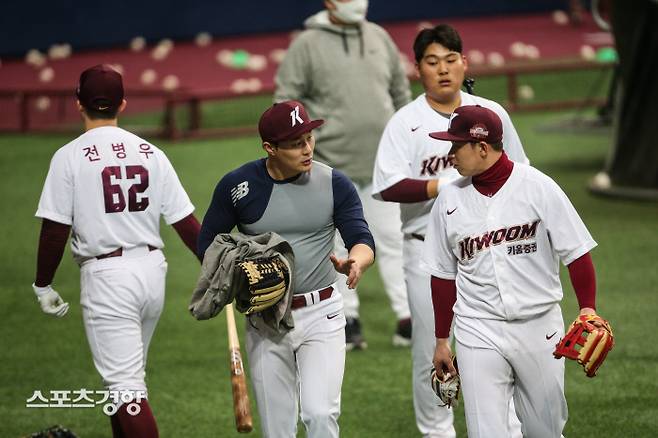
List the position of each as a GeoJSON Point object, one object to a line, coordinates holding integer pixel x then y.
{"type": "Point", "coordinates": [241, 406]}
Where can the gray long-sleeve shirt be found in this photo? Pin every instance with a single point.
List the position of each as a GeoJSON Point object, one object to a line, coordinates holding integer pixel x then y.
{"type": "Point", "coordinates": [353, 78]}
{"type": "Point", "coordinates": [305, 210]}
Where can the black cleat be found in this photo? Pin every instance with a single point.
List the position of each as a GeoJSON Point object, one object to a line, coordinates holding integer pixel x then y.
{"type": "Point", "coordinates": [402, 336]}
{"type": "Point", "coordinates": [353, 337]}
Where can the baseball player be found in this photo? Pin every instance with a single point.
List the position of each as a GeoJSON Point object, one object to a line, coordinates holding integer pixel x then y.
{"type": "Point", "coordinates": [305, 202]}
{"type": "Point", "coordinates": [411, 169]}
{"type": "Point", "coordinates": [347, 71]}
{"type": "Point", "coordinates": [494, 239]}
{"type": "Point", "coordinates": [111, 187]}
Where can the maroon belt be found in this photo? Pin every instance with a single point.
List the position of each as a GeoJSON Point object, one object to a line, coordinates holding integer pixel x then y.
{"type": "Point", "coordinates": [119, 252]}
{"type": "Point", "coordinates": [299, 301]}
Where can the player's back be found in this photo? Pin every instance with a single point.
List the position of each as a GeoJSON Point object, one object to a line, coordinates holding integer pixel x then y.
{"type": "Point", "coordinates": [116, 187]}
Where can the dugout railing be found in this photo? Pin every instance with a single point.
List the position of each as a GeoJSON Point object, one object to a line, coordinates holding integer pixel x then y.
{"type": "Point", "coordinates": [171, 102]}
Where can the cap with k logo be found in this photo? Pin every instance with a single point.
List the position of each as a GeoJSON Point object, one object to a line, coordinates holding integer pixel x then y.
{"type": "Point", "coordinates": [285, 121]}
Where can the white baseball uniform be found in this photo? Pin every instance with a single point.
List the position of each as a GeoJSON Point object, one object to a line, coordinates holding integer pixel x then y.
{"type": "Point", "coordinates": [384, 222]}
{"type": "Point", "coordinates": [407, 151]}
{"type": "Point", "coordinates": [503, 253]}
{"type": "Point", "coordinates": [111, 187]}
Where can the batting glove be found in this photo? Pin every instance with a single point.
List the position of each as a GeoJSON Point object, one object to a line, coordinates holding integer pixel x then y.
{"type": "Point", "coordinates": [50, 301]}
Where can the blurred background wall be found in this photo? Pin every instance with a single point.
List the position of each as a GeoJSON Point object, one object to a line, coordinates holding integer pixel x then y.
{"type": "Point", "coordinates": [91, 24]}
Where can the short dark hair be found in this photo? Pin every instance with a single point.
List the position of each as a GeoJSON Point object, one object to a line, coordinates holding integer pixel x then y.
{"type": "Point", "coordinates": [498, 146]}
{"type": "Point", "coordinates": [108, 114]}
{"type": "Point", "coordinates": [443, 34]}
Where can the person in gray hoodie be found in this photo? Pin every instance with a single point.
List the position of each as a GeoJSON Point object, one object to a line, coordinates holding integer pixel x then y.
{"type": "Point", "coordinates": [347, 71]}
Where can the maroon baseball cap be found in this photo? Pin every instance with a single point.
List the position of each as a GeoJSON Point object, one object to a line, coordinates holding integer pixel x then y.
{"type": "Point", "coordinates": [472, 123]}
{"type": "Point", "coordinates": [100, 88]}
{"type": "Point", "coordinates": [285, 121]}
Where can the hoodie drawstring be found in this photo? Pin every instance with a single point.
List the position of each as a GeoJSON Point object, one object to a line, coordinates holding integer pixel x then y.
{"type": "Point", "coordinates": [361, 44]}
{"type": "Point", "coordinates": [346, 46]}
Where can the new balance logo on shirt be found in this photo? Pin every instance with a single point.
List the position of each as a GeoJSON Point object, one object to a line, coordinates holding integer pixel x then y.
{"type": "Point", "coordinates": [240, 191]}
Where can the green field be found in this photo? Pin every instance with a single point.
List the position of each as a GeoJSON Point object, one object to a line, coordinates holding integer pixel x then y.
{"type": "Point", "coordinates": [188, 370]}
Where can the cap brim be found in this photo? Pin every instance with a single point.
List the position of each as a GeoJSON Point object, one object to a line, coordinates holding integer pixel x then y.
{"type": "Point", "coordinates": [315, 123]}
{"type": "Point", "coordinates": [445, 135]}
{"type": "Point", "coordinates": [303, 129]}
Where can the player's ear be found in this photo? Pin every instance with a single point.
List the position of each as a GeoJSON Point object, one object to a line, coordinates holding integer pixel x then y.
{"type": "Point", "coordinates": [417, 70]}
{"type": "Point", "coordinates": [465, 62]}
{"type": "Point", "coordinates": [79, 106]}
{"type": "Point", "coordinates": [269, 148]}
{"type": "Point", "coordinates": [122, 107]}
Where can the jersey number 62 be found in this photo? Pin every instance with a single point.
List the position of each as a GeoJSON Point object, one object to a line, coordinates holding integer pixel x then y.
{"type": "Point", "coordinates": [115, 201]}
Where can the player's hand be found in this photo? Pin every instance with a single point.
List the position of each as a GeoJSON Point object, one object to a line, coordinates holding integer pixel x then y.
{"type": "Point", "coordinates": [590, 311]}
{"type": "Point", "coordinates": [442, 360]}
{"type": "Point", "coordinates": [50, 301]}
{"type": "Point", "coordinates": [348, 267]}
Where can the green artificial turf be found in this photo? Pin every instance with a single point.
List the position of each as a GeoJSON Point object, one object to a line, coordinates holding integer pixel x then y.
{"type": "Point", "coordinates": [188, 372]}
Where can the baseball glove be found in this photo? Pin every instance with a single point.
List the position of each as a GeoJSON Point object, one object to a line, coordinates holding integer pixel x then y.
{"type": "Point", "coordinates": [588, 340]}
{"type": "Point", "coordinates": [53, 432]}
{"type": "Point", "coordinates": [266, 281]}
{"type": "Point", "coordinates": [447, 389]}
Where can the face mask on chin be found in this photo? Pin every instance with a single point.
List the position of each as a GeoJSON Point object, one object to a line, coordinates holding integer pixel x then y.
{"type": "Point", "coordinates": [351, 12]}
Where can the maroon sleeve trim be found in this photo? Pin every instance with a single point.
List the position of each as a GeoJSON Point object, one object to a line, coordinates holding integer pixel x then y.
{"type": "Point", "coordinates": [188, 229]}
{"type": "Point", "coordinates": [583, 280]}
{"type": "Point", "coordinates": [406, 191]}
{"type": "Point", "coordinates": [52, 242]}
{"type": "Point", "coordinates": [444, 296]}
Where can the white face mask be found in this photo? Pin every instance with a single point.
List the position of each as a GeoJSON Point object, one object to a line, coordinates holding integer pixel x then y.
{"type": "Point", "coordinates": [351, 12]}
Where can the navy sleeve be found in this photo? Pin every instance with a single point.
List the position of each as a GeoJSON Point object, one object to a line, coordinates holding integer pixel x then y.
{"type": "Point", "coordinates": [348, 212]}
{"type": "Point", "coordinates": [221, 217]}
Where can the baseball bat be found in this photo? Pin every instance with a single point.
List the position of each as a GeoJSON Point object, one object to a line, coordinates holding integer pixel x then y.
{"type": "Point", "coordinates": [241, 407]}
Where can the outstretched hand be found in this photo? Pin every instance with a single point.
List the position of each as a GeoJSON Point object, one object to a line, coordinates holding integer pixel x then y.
{"type": "Point", "coordinates": [348, 267]}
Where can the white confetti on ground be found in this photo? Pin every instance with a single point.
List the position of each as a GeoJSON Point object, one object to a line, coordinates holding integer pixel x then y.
{"type": "Point", "coordinates": [137, 44]}
{"type": "Point", "coordinates": [47, 74]}
{"type": "Point", "coordinates": [203, 39]}
{"type": "Point", "coordinates": [148, 76]}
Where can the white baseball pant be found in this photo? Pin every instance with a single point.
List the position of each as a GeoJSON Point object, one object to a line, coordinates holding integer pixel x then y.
{"type": "Point", "coordinates": [432, 420]}
{"type": "Point", "coordinates": [499, 359]}
{"type": "Point", "coordinates": [301, 371]}
{"type": "Point", "coordinates": [122, 299]}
